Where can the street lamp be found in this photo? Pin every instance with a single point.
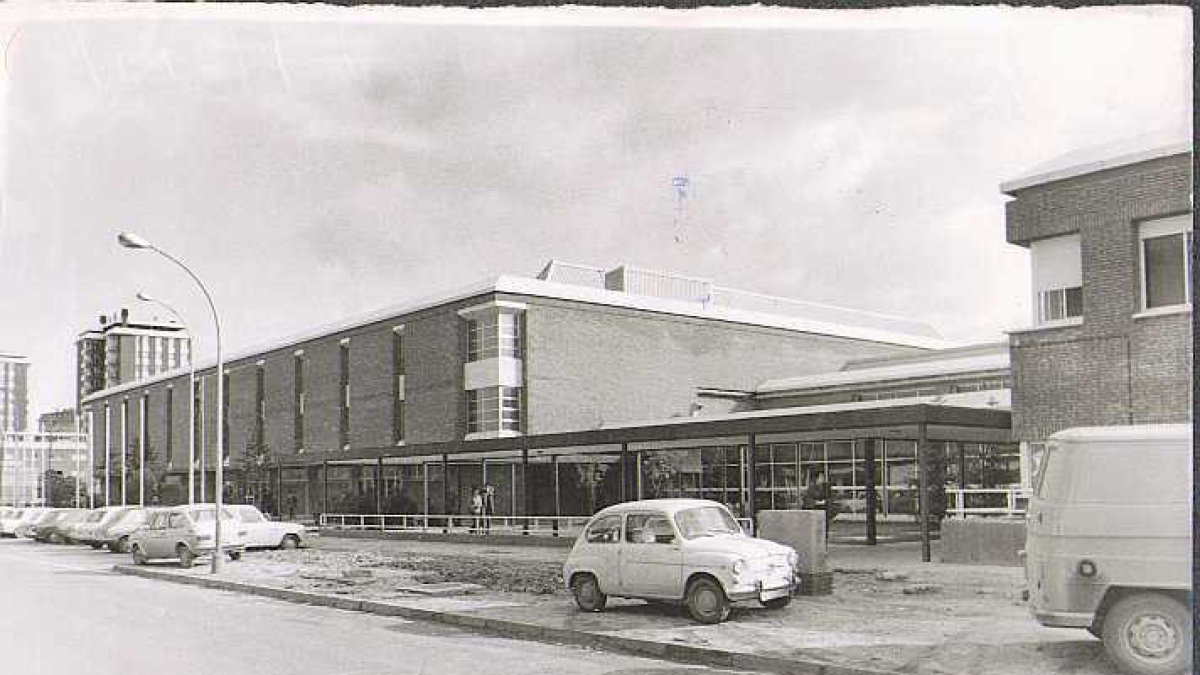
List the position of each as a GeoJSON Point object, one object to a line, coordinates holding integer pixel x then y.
{"type": "Point", "coordinates": [146, 297]}
{"type": "Point", "coordinates": [131, 240]}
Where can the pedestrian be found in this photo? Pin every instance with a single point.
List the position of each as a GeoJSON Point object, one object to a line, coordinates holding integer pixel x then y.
{"type": "Point", "coordinates": [476, 510]}
{"type": "Point", "coordinates": [489, 506]}
{"type": "Point", "coordinates": [821, 497]}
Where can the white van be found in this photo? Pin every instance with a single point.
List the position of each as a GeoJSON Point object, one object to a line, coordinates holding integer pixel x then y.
{"type": "Point", "coordinates": [1109, 540]}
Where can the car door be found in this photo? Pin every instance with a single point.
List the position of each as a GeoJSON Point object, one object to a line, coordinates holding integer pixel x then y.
{"type": "Point", "coordinates": [651, 557]}
{"type": "Point", "coordinates": [153, 536]}
{"type": "Point", "coordinates": [258, 529]}
{"type": "Point", "coordinates": [597, 551]}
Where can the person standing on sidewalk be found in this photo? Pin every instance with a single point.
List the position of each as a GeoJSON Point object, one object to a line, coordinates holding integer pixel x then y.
{"type": "Point", "coordinates": [489, 506]}
{"type": "Point", "coordinates": [476, 510]}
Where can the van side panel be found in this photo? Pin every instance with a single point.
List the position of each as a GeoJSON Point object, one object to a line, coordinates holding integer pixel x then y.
{"type": "Point", "coordinates": [1122, 506]}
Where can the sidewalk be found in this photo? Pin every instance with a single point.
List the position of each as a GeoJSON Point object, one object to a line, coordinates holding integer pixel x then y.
{"type": "Point", "coordinates": [889, 612]}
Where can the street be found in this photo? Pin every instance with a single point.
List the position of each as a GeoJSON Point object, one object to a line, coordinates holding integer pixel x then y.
{"type": "Point", "coordinates": [62, 610]}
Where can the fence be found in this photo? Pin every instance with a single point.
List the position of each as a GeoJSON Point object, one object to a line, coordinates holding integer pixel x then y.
{"type": "Point", "coordinates": [543, 526]}
{"type": "Point", "coordinates": [987, 502]}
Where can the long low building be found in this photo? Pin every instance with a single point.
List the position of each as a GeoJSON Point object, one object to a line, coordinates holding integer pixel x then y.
{"type": "Point", "coordinates": [566, 392]}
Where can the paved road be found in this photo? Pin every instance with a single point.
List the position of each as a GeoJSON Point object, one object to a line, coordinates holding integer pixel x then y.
{"type": "Point", "coordinates": [63, 611]}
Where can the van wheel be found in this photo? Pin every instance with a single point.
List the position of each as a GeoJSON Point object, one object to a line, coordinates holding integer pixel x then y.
{"type": "Point", "coordinates": [289, 542]}
{"type": "Point", "coordinates": [587, 593]}
{"type": "Point", "coordinates": [706, 601]}
{"type": "Point", "coordinates": [122, 545]}
{"type": "Point", "coordinates": [1149, 634]}
{"type": "Point", "coordinates": [186, 557]}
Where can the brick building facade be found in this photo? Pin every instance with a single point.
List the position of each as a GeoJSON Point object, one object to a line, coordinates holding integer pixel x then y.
{"type": "Point", "coordinates": [398, 396]}
{"type": "Point", "coordinates": [1110, 236]}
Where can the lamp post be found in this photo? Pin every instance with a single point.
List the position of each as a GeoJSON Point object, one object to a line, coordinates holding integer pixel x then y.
{"type": "Point", "coordinates": [146, 297]}
{"type": "Point", "coordinates": [131, 240]}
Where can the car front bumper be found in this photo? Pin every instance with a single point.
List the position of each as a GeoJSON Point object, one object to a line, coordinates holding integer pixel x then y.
{"type": "Point", "coordinates": [762, 590]}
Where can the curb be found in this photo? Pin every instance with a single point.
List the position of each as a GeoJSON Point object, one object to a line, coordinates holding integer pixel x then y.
{"type": "Point", "coordinates": [524, 631]}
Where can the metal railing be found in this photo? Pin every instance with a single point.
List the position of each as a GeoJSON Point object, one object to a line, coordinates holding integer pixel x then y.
{"type": "Point", "coordinates": [1010, 501]}
{"type": "Point", "coordinates": [544, 526]}
{"type": "Point", "coordinates": [541, 526]}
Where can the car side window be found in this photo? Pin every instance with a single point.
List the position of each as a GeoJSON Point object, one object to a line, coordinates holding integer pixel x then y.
{"type": "Point", "coordinates": [177, 521]}
{"type": "Point", "coordinates": [606, 530]}
{"type": "Point", "coordinates": [157, 522]}
{"type": "Point", "coordinates": [648, 528]}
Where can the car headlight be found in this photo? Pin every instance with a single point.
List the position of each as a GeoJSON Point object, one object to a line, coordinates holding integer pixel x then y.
{"type": "Point", "coordinates": [738, 567]}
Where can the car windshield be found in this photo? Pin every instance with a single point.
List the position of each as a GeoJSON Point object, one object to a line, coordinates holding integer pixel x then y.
{"type": "Point", "coordinates": [704, 521]}
{"type": "Point", "coordinates": [205, 515]}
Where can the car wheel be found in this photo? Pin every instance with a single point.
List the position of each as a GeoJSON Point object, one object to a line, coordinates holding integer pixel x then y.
{"type": "Point", "coordinates": [1149, 634]}
{"type": "Point", "coordinates": [96, 545]}
{"type": "Point", "coordinates": [289, 542]}
{"type": "Point", "coordinates": [186, 557]}
{"type": "Point", "coordinates": [235, 555]}
{"type": "Point", "coordinates": [123, 545]}
{"type": "Point", "coordinates": [587, 593]}
{"type": "Point", "coordinates": [139, 558]}
{"type": "Point", "coordinates": [706, 601]}
{"type": "Point", "coordinates": [778, 603]}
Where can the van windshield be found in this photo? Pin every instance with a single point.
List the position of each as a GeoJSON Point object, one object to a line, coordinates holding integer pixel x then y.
{"type": "Point", "coordinates": [1047, 467]}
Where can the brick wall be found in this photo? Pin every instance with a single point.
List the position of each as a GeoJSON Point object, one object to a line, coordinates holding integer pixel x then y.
{"type": "Point", "coordinates": [371, 388]}
{"type": "Point", "coordinates": [1113, 368]}
{"type": "Point", "coordinates": [589, 366]}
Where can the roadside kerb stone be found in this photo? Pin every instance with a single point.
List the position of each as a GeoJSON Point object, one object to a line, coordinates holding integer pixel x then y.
{"type": "Point", "coordinates": [519, 630]}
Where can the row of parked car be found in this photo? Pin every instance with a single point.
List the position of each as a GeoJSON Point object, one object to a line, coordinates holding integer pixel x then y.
{"type": "Point", "coordinates": [181, 533]}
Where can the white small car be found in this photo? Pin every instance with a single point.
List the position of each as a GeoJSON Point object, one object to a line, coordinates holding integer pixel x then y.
{"type": "Point", "coordinates": [677, 550]}
{"type": "Point", "coordinates": [262, 532]}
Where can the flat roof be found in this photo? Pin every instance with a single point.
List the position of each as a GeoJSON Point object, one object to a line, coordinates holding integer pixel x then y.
{"type": "Point", "coordinates": [898, 332]}
{"type": "Point", "coordinates": [883, 374]}
{"type": "Point", "coordinates": [1083, 161]}
{"type": "Point", "coordinates": [1136, 432]}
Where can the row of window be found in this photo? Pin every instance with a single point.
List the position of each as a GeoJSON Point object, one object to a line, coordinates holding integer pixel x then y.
{"type": "Point", "coordinates": [1163, 263]}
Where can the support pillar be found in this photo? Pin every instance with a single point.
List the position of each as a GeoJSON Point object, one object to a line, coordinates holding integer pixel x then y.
{"type": "Point", "coordinates": [752, 481]}
{"type": "Point", "coordinates": [871, 480]}
{"type": "Point", "coordinates": [379, 490]}
{"type": "Point", "coordinates": [446, 492]}
{"type": "Point", "coordinates": [624, 494]}
{"type": "Point", "coordinates": [324, 487]}
{"type": "Point", "coordinates": [524, 491]}
{"type": "Point", "coordinates": [923, 489]}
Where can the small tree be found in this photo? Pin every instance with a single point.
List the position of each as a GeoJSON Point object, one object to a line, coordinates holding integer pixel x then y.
{"type": "Point", "coordinates": [255, 473]}
{"type": "Point", "coordinates": [154, 474]}
{"type": "Point", "coordinates": [59, 490]}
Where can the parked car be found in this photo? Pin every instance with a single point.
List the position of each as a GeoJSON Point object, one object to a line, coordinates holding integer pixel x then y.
{"type": "Point", "coordinates": [51, 530]}
{"type": "Point", "coordinates": [1108, 543]}
{"type": "Point", "coordinates": [89, 531]}
{"type": "Point", "coordinates": [185, 533]}
{"type": "Point", "coordinates": [262, 532]}
{"type": "Point", "coordinates": [8, 521]}
{"type": "Point", "coordinates": [678, 550]}
{"type": "Point", "coordinates": [116, 534]}
{"type": "Point", "coordinates": [29, 519]}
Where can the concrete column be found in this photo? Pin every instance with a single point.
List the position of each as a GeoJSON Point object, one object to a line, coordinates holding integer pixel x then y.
{"type": "Point", "coordinates": [868, 446]}
{"type": "Point", "coordinates": [923, 489]}
{"type": "Point", "coordinates": [752, 479]}
{"type": "Point", "coordinates": [379, 486]}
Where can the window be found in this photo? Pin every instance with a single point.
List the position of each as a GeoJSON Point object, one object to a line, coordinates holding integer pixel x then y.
{"type": "Point", "coordinates": [298, 401]}
{"type": "Point", "coordinates": [606, 530]}
{"type": "Point", "coordinates": [648, 529]}
{"type": "Point", "coordinates": [398, 384]}
{"type": "Point", "coordinates": [497, 335]}
{"type": "Point", "coordinates": [1164, 244]}
{"type": "Point", "coordinates": [260, 405]}
{"type": "Point", "coordinates": [494, 409]}
{"type": "Point", "coordinates": [1057, 278]}
{"type": "Point", "coordinates": [1059, 304]}
{"type": "Point", "coordinates": [344, 377]}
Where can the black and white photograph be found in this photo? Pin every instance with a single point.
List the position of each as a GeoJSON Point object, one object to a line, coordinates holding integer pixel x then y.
{"type": "Point", "coordinates": [579, 340]}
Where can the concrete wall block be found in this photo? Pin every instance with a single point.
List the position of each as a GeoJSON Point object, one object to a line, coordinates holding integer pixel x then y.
{"type": "Point", "coordinates": [802, 530]}
{"type": "Point", "coordinates": [371, 373]}
{"type": "Point", "coordinates": [982, 541]}
{"type": "Point", "coordinates": [322, 414]}
{"type": "Point", "coordinates": [434, 405]}
{"type": "Point", "coordinates": [279, 393]}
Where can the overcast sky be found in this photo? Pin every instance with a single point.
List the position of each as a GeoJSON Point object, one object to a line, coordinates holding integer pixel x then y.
{"type": "Point", "coordinates": [314, 163]}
